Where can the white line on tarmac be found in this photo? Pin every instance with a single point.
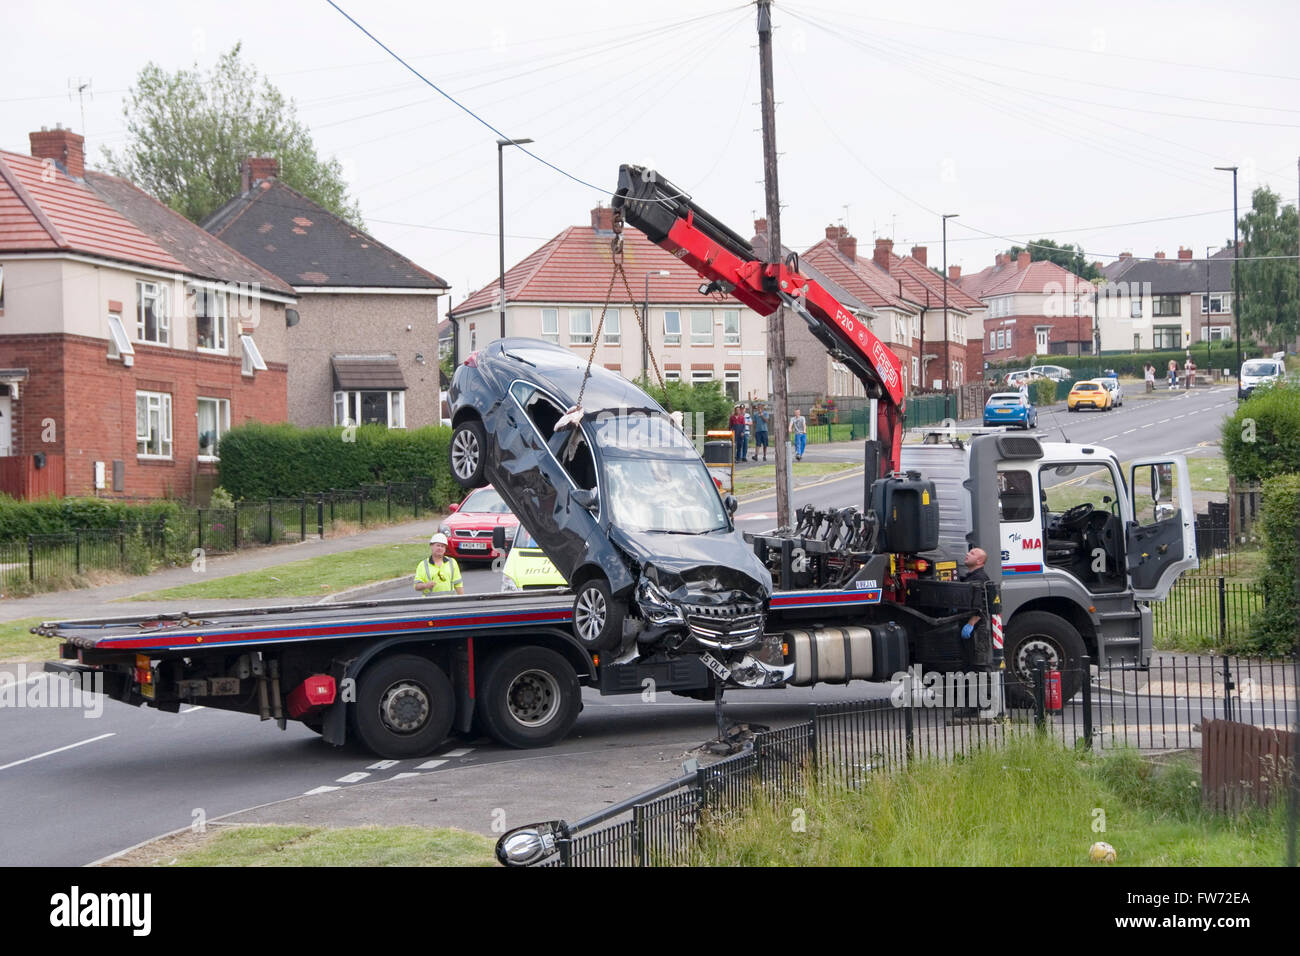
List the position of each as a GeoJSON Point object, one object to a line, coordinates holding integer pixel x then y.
{"type": "Point", "coordinates": [1129, 432]}
{"type": "Point", "coordinates": [1148, 425]}
{"type": "Point", "coordinates": [353, 777]}
{"type": "Point", "coordinates": [399, 776]}
{"type": "Point", "coordinates": [383, 765]}
{"type": "Point", "coordinates": [194, 708]}
{"type": "Point", "coordinates": [459, 752]}
{"type": "Point", "coordinates": [80, 743]}
{"type": "Point", "coordinates": [312, 793]}
{"type": "Point", "coordinates": [431, 765]}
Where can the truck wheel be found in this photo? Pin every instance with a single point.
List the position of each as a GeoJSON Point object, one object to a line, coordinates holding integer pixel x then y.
{"type": "Point", "coordinates": [1035, 634]}
{"type": "Point", "coordinates": [597, 617]}
{"type": "Point", "coordinates": [529, 698]}
{"type": "Point", "coordinates": [404, 707]}
{"type": "Point", "coordinates": [468, 453]}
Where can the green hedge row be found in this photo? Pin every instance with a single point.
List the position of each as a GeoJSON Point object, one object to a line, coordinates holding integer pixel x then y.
{"type": "Point", "coordinates": [282, 460]}
{"type": "Point", "coordinates": [1273, 629]}
{"type": "Point", "coordinates": [1262, 438]}
{"type": "Point", "coordinates": [1222, 355]}
{"type": "Point", "coordinates": [56, 515]}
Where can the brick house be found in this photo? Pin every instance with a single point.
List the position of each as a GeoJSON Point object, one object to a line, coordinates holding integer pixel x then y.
{"type": "Point", "coordinates": [1163, 303]}
{"type": "Point", "coordinates": [366, 346]}
{"type": "Point", "coordinates": [131, 339]}
{"type": "Point", "coordinates": [557, 292]}
{"type": "Point", "coordinates": [1034, 308]}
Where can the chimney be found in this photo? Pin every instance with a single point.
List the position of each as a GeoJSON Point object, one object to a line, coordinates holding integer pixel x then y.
{"type": "Point", "coordinates": [1000, 260]}
{"type": "Point", "coordinates": [835, 231]}
{"type": "Point", "coordinates": [1126, 255]}
{"type": "Point", "coordinates": [602, 219]}
{"type": "Point", "coordinates": [256, 168]}
{"type": "Point", "coordinates": [1160, 255]}
{"type": "Point", "coordinates": [954, 273]}
{"type": "Point", "coordinates": [1023, 261]}
{"type": "Point", "coordinates": [918, 253]}
{"type": "Point", "coordinates": [848, 245]}
{"type": "Point", "coordinates": [1097, 265]}
{"type": "Point", "coordinates": [881, 256]}
{"type": "Point", "coordinates": [1184, 253]}
{"type": "Point", "coordinates": [64, 147]}
{"type": "Point", "coordinates": [760, 227]}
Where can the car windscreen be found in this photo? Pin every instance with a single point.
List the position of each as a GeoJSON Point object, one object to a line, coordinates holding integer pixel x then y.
{"type": "Point", "coordinates": [1087, 387]}
{"type": "Point", "coordinates": [674, 496]}
{"type": "Point", "coordinates": [524, 539]}
{"type": "Point", "coordinates": [1007, 398]}
{"type": "Point", "coordinates": [485, 501]}
{"type": "Point", "coordinates": [638, 432]}
{"type": "Point", "coordinates": [1259, 368]}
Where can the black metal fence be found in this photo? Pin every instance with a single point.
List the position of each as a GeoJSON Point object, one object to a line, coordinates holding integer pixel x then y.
{"type": "Point", "coordinates": [1205, 611]}
{"type": "Point", "coordinates": [63, 559]}
{"type": "Point", "coordinates": [841, 743]}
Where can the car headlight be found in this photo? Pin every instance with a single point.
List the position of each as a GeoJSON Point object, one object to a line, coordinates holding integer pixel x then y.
{"type": "Point", "coordinates": [657, 606]}
{"type": "Point", "coordinates": [508, 583]}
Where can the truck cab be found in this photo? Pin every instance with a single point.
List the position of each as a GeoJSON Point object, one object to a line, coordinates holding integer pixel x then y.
{"type": "Point", "coordinates": [1086, 544]}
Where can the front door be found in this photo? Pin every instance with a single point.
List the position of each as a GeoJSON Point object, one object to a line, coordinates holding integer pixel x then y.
{"type": "Point", "coordinates": [1161, 541]}
{"type": "Point", "coordinates": [6, 426]}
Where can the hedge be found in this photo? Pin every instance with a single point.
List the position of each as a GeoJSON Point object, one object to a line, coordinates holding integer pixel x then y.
{"type": "Point", "coordinates": [1273, 629]}
{"type": "Point", "coordinates": [284, 461]}
{"type": "Point", "coordinates": [1224, 355]}
{"type": "Point", "coordinates": [1044, 390]}
{"type": "Point", "coordinates": [18, 519]}
{"type": "Point", "coordinates": [1262, 438]}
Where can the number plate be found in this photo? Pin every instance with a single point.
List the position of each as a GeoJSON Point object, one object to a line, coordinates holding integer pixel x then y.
{"type": "Point", "coordinates": [473, 545]}
{"type": "Point", "coordinates": [715, 665]}
{"type": "Point", "coordinates": [1003, 411]}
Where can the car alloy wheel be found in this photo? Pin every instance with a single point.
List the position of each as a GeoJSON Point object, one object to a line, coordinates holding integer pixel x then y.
{"type": "Point", "coordinates": [589, 614]}
{"type": "Point", "coordinates": [465, 453]}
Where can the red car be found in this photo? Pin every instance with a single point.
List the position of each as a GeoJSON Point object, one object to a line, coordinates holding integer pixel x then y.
{"type": "Point", "coordinates": [469, 526]}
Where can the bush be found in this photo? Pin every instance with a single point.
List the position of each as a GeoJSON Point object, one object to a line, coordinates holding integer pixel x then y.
{"type": "Point", "coordinates": [1044, 391]}
{"type": "Point", "coordinates": [1262, 438]}
{"type": "Point", "coordinates": [1273, 629]}
{"type": "Point", "coordinates": [707, 398]}
{"type": "Point", "coordinates": [284, 461]}
{"type": "Point", "coordinates": [56, 515]}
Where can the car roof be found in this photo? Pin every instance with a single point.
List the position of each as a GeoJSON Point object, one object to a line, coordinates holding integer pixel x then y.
{"type": "Point", "coordinates": [1090, 383]}
{"type": "Point", "coordinates": [561, 371]}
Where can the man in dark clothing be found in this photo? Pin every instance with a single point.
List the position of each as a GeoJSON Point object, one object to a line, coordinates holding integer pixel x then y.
{"type": "Point", "coordinates": [974, 561]}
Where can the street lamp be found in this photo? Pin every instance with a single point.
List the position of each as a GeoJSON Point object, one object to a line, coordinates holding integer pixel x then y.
{"type": "Point", "coordinates": [501, 220]}
{"type": "Point", "coordinates": [1236, 288]}
{"type": "Point", "coordinates": [645, 322]}
{"type": "Point", "coordinates": [1205, 313]}
{"type": "Point", "coordinates": [947, 364]}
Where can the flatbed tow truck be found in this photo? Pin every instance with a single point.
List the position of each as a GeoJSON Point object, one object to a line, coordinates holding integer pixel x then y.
{"type": "Point", "coordinates": [859, 594]}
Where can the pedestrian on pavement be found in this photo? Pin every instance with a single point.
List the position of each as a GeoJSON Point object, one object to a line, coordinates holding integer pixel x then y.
{"type": "Point", "coordinates": [737, 423]}
{"type": "Point", "coordinates": [799, 430]}
{"type": "Point", "coordinates": [1149, 373]}
{"type": "Point", "coordinates": [1173, 373]}
{"type": "Point", "coordinates": [749, 427]}
{"type": "Point", "coordinates": [1189, 372]}
{"type": "Point", "coordinates": [760, 431]}
{"type": "Point", "coordinates": [1024, 393]}
{"type": "Point", "coordinates": [438, 573]}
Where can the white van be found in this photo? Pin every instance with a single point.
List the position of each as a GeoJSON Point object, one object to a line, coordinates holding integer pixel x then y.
{"type": "Point", "coordinates": [1257, 372]}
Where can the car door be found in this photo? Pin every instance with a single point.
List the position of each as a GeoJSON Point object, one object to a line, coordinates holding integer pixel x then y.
{"type": "Point", "coordinates": [1160, 541]}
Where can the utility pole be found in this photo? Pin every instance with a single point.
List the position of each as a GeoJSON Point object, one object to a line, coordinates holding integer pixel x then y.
{"type": "Point", "coordinates": [947, 362]}
{"type": "Point", "coordinates": [1205, 313]}
{"type": "Point", "coordinates": [1236, 254]}
{"type": "Point", "coordinates": [775, 321]}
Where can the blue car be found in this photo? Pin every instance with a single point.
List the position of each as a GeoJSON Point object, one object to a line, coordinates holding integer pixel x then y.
{"type": "Point", "coordinates": [1008, 408]}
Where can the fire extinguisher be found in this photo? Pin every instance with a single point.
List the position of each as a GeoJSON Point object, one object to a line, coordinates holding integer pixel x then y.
{"type": "Point", "coordinates": [1052, 684]}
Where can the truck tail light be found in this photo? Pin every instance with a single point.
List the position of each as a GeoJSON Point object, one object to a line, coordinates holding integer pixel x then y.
{"type": "Point", "coordinates": [143, 670]}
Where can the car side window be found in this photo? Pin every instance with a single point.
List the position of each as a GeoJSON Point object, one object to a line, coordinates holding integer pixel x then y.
{"type": "Point", "coordinates": [569, 446]}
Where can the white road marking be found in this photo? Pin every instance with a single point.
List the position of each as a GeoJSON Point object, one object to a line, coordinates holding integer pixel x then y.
{"type": "Point", "coordinates": [399, 776]}
{"type": "Point", "coordinates": [1176, 417]}
{"type": "Point", "coordinates": [1148, 425]}
{"type": "Point", "coordinates": [1129, 432]}
{"type": "Point", "coordinates": [1162, 421]}
{"type": "Point", "coordinates": [354, 777]}
{"type": "Point", "coordinates": [194, 708]}
{"type": "Point", "coordinates": [312, 793]}
{"type": "Point", "coordinates": [431, 765]}
{"type": "Point", "coordinates": [1109, 437]}
{"type": "Point", "coordinates": [458, 752]}
{"type": "Point", "coordinates": [383, 765]}
{"type": "Point", "coordinates": [57, 750]}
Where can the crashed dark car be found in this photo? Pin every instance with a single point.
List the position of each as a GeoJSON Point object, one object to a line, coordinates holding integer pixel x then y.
{"type": "Point", "coordinates": [621, 503]}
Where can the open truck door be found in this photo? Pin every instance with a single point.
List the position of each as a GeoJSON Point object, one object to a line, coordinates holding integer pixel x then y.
{"type": "Point", "coordinates": [1161, 540]}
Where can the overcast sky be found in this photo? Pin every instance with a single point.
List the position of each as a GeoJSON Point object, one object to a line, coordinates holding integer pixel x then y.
{"type": "Point", "coordinates": [1026, 119]}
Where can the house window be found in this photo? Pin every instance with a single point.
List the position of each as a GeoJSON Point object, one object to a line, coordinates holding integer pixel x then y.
{"type": "Point", "coordinates": [1220, 333]}
{"type": "Point", "coordinates": [1215, 304]}
{"type": "Point", "coordinates": [1137, 342]}
{"type": "Point", "coordinates": [153, 424]}
{"type": "Point", "coordinates": [210, 308]}
{"type": "Point", "coordinates": [152, 322]}
{"type": "Point", "coordinates": [672, 375]}
{"type": "Point", "coordinates": [701, 375]}
{"type": "Point", "coordinates": [731, 327]}
{"type": "Point", "coordinates": [118, 342]}
{"type": "Point", "coordinates": [580, 326]}
{"type": "Point", "coordinates": [253, 361]}
{"type": "Point", "coordinates": [1166, 305]}
{"type": "Point", "coordinates": [1135, 308]}
{"type": "Point", "coordinates": [370, 408]}
{"type": "Point", "coordinates": [1166, 337]}
{"type": "Point", "coordinates": [672, 327]}
{"type": "Point", "coordinates": [214, 421]}
{"type": "Point", "coordinates": [916, 368]}
{"type": "Point", "coordinates": [473, 338]}
{"type": "Point", "coordinates": [731, 383]}
{"type": "Point", "coordinates": [613, 333]}
{"type": "Point", "coordinates": [550, 326]}
{"type": "Point", "coordinates": [993, 341]}
{"type": "Point", "coordinates": [701, 327]}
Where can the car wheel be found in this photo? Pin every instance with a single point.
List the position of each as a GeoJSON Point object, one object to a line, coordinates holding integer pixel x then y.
{"type": "Point", "coordinates": [468, 453]}
{"type": "Point", "coordinates": [1035, 634]}
{"type": "Point", "coordinates": [529, 697]}
{"type": "Point", "coordinates": [404, 707]}
{"type": "Point", "coordinates": [597, 617]}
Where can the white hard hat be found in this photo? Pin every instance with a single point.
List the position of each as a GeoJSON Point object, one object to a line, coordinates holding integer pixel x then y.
{"type": "Point", "coordinates": [438, 538]}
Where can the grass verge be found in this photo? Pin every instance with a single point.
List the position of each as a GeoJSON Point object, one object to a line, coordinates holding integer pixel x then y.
{"type": "Point", "coordinates": [17, 643]}
{"type": "Point", "coordinates": [752, 483]}
{"type": "Point", "coordinates": [1033, 803]}
{"type": "Point", "coordinates": [316, 846]}
{"type": "Point", "coordinates": [312, 576]}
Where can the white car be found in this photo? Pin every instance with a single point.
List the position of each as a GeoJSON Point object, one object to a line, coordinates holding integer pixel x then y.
{"type": "Point", "coordinates": [1257, 372]}
{"type": "Point", "coordinates": [1013, 379]}
{"type": "Point", "coordinates": [1115, 389]}
{"type": "Point", "coordinates": [1055, 372]}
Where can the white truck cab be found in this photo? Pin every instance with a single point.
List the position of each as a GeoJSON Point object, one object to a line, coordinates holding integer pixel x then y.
{"type": "Point", "coordinates": [1086, 543]}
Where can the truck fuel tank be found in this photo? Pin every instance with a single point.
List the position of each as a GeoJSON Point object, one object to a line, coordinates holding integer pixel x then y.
{"type": "Point", "coordinates": [837, 655]}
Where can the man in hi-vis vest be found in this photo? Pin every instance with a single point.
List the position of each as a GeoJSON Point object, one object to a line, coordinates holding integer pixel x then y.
{"type": "Point", "coordinates": [438, 573]}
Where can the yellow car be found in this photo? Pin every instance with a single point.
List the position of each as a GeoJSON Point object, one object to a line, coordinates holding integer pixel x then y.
{"type": "Point", "coordinates": [1088, 395]}
{"type": "Point", "coordinates": [527, 567]}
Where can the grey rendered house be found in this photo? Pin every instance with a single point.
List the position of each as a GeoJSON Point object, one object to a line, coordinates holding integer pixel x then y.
{"type": "Point", "coordinates": [365, 349]}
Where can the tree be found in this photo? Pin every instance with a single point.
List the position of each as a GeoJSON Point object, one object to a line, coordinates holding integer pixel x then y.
{"type": "Point", "coordinates": [189, 132]}
{"type": "Point", "coordinates": [1067, 256]}
{"type": "Point", "coordinates": [1269, 307]}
